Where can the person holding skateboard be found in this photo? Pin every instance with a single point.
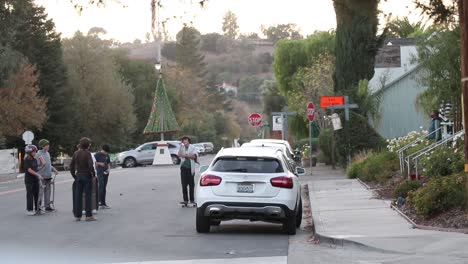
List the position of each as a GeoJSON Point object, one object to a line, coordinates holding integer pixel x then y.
{"type": "Point", "coordinates": [188, 155]}
{"type": "Point", "coordinates": [45, 170]}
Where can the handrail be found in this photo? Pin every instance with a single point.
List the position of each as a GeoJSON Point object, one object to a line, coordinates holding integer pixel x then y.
{"type": "Point", "coordinates": [401, 154]}
{"type": "Point", "coordinates": [415, 156]}
{"type": "Point", "coordinates": [407, 146]}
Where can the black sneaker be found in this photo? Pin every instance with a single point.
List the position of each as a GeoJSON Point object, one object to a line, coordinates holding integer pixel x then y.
{"type": "Point", "coordinates": [183, 203]}
{"type": "Point", "coordinates": [48, 209]}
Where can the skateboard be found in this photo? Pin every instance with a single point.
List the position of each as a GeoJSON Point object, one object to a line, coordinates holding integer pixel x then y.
{"type": "Point", "coordinates": [184, 204]}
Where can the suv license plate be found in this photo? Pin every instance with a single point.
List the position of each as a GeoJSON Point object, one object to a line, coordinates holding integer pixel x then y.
{"type": "Point", "coordinates": [245, 188]}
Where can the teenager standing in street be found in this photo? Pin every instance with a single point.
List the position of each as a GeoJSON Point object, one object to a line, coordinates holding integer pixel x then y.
{"type": "Point", "coordinates": [103, 170]}
{"type": "Point", "coordinates": [32, 180]}
{"type": "Point", "coordinates": [45, 170]}
{"type": "Point", "coordinates": [187, 154]}
{"type": "Point", "coordinates": [82, 170]}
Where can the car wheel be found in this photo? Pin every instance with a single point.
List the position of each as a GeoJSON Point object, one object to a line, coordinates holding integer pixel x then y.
{"type": "Point", "coordinates": [289, 226]}
{"type": "Point", "coordinates": [129, 163]}
{"type": "Point", "coordinates": [299, 215]}
{"type": "Point", "coordinates": [202, 222]}
{"type": "Point", "coordinates": [175, 160]}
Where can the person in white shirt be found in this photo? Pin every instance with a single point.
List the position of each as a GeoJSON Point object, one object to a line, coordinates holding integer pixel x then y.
{"type": "Point", "coordinates": [188, 155]}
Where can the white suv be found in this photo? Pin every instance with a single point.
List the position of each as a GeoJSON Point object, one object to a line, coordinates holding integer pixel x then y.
{"type": "Point", "coordinates": [256, 184]}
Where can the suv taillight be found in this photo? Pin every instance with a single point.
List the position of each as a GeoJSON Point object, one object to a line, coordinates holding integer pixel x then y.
{"type": "Point", "coordinates": [282, 182]}
{"type": "Point", "coordinates": [210, 180]}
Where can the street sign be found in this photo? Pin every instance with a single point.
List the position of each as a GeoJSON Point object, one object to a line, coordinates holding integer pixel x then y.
{"type": "Point", "coordinates": [311, 111]}
{"type": "Point", "coordinates": [326, 101]}
{"type": "Point", "coordinates": [277, 123]}
{"type": "Point", "coordinates": [28, 137]}
{"type": "Point", "coordinates": [255, 119]}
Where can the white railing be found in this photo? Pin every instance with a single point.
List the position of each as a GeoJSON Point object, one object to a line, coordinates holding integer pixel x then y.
{"type": "Point", "coordinates": [401, 151]}
{"type": "Point", "coordinates": [425, 150]}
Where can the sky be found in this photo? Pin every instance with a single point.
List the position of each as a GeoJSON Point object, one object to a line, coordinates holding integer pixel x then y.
{"type": "Point", "coordinates": [127, 20]}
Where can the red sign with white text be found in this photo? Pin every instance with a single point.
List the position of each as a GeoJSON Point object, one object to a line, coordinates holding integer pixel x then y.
{"type": "Point", "coordinates": [326, 101]}
{"type": "Point", "coordinates": [311, 111]}
{"type": "Point", "coordinates": [255, 119]}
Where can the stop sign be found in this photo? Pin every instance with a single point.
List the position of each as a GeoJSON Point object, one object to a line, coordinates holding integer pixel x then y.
{"type": "Point", "coordinates": [311, 111]}
{"type": "Point", "coordinates": [255, 119]}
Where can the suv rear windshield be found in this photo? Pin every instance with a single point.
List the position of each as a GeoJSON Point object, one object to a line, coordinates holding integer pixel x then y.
{"type": "Point", "coordinates": [247, 165]}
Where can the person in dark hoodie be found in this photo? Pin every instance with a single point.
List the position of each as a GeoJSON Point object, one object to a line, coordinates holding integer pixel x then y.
{"type": "Point", "coordinates": [82, 170]}
{"type": "Point", "coordinates": [103, 170]}
{"type": "Point", "coordinates": [32, 180]}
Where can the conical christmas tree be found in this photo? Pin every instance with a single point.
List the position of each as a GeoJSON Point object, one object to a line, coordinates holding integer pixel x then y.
{"type": "Point", "coordinates": [162, 119]}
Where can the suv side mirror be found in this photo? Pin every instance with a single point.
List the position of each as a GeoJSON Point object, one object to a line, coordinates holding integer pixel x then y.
{"type": "Point", "coordinates": [203, 168]}
{"type": "Point", "coordinates": [300, 171]}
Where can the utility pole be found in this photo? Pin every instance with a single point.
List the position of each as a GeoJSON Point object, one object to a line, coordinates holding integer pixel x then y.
{"type": "Point", "coordinates": [463, 9]}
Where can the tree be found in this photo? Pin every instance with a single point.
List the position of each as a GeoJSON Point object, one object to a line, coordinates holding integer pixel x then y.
{"type": "Point", "coordinates": [291, 55]}
{"type": "Point", "coordinates": [403, 28]}
{"type": "Point", "coordinates": [356, 43]}
{"type": "Point", "coordinates": [141, 76]}
{"type": "Point", "coordinates": [273, 101]}
{"type": "Point", "coordinates": [439, 57]}
{"type": "Point", "coordinates": [105, 101]}
{"type": "Point", "coordinates": [230, 27]}
{"type": "Point", "coordinates": [209, 42]}
{"type": "Point", "coordinates": [22, 108]}
{"type": "Point", "coordinates": [309, 83]}
{"type": "Point", "coordinates": [442, 11]}
{"type": "Point", "coordinates": [281, 31]}
{"type": "Point", "coordinates": [26, 30]}
{"type": "Point", "coordinates": [188, 51]}
{"type": "Point", "coordinates": [169, 50]}
{"type": "Point", "coordinates": [249, 89]}
{"type": "Point", "coordinates": [292, 65]}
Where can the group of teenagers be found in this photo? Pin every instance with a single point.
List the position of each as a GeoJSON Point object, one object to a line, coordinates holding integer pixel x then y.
{"type": "Point", "coordinates": [85, 171]}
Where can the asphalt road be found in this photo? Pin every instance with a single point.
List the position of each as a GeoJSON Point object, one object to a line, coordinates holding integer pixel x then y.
{"type": "Point", "coordinates": [145, 223]}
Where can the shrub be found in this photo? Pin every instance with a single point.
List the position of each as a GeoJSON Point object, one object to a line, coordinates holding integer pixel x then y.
{"type": "Point", "coordinates": [442, 161]}
{"type": "Point", "coordinates": [300, 144]}
{"type": "Point", "coordinates": [355, 169]}
{"type": "Point", "coordinates": [355, 136]}
{"type": "Point", "coordinates": [404, 188]}
{"type": "Point", "coordinates": [377, 167]}
{"type": "Point", "coordinates": [439, 195]}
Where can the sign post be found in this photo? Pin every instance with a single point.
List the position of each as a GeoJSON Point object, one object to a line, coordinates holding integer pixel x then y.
{"type": "Point", "coordinates": [284, 117]}
{"type": "Point", "coordinates": [311, 117]}
{"type": "Point", "coordinates": [337, 102]}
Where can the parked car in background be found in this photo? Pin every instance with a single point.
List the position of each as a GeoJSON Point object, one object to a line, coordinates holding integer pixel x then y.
{"type": "Point", "coordinates": [200, 148]}
{"type": "Point", "coordinates": [255, 184]}
{"type": "Point", "coordinates": [290, 151]}
{"type": "Point", "coordinates": [209, 147]}
{"type": "Point", "coordinates": [144, 154]}
{"type": "Point", "coordinates": [281, 147]}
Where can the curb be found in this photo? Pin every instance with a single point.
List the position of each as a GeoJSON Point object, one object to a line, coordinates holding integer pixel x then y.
{"type": "Point", "coordinates": [431, 228]}
{"type": "Point", "coordinates": [422, 227]}
{"type": "Point", "coordinates": [343, 242]}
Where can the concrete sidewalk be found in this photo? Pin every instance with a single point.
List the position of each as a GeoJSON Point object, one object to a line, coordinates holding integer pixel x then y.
{"type": "Point", "coordinates": [346, 213]}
